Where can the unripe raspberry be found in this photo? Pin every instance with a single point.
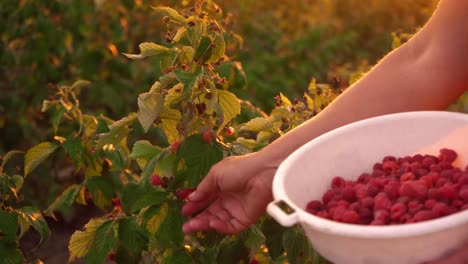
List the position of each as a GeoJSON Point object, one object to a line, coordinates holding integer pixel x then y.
{"type": "Point", "coordinates": [116, 202]}
{"type": "Point", "coordinates": [111, 256]}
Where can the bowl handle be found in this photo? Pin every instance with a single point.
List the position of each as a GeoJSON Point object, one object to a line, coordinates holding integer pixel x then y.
{"type": "Point", "coordinates": [286, 217]}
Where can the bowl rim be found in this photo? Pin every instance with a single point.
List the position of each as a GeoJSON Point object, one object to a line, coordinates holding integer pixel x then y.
{"type": "Point", "coordinates": [366, 231]}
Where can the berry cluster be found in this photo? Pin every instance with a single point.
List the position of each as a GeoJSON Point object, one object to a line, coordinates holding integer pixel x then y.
{"type": "Point", "coordinates": [398, 191]}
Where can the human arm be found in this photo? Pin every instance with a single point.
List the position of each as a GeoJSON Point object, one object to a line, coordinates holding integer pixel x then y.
{"type": "Point", "coordinates": [427, 73]}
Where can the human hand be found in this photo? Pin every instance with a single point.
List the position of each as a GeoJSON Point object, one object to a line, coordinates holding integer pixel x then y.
{"type": "Point", "coordinates": [459, 256]}
{"type": "Point", "coordinates": [231, 197]}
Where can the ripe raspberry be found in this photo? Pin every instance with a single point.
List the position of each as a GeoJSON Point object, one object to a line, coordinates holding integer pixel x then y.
{"type": "Point", "coordinates": [349, 194]}
{"type": "Point", "coordinates": [367, 202]}
{"type": "Point", "coordinates": [338, 182]}
{"type": "Point", "coordinates": [111, 256]}
{"type": "Point", "coordinates": [430, 203]}
{"type": "Point", "coordinates": [327, 196]}
{"type": "Point", "coordinates": [392, 189]}
{"type": "Point", "coordinates": [175, 146]}
{"type": "Point", "coordinates": [207, 136]}
{"type": "Point", "coordinates": [116, 202]}
{"type": "Point", "coordinates": [381, 202]}
{"type": "Point", "coordinates": [323, 214]}
{"type": "Point", "coordinates": [389, 165]}
{"type": "Point", "coordinates": [447, 191]}
{"type": "Point", "coordinates": [397, 211]}
{"type": "Point", "coordinates": [350, 217]}
{"type": "Point", "coordinates": [314, 206]}
{"type": "Point", "coordinates": [414, 189]}
{"type": "Point", "coordinates": [414, 207]}
{"type": "Point", "coordinates": [183, 193]}
{"type": "Point", "coordinates": [382, 215]}
{"type": "Point", "coordinates": [463, 193]}
{"type": "Point", "coordinates": [424, 215]}
{"type": "Point", "coordinates": [447, 155]}
{"type": "Point", "coordinates": [155, 180]}
{"type": "Point", "coordinates": [229, 131]}
{"type": "Point", "coordinates": [408, 176]}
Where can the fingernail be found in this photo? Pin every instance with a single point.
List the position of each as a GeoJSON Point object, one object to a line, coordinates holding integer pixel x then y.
{"type": "Point", "coordinates": [193, 195]}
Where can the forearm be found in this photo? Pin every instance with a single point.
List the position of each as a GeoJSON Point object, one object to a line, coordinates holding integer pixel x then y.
{"type": "Point", "coordinates": [405, 80]}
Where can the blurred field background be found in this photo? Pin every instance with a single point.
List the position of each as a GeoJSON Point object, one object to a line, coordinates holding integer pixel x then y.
{"type": "Point", "coordinates": [285, 44]}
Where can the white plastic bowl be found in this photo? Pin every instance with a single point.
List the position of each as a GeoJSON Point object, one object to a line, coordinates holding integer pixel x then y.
{"type": "Point", "coordinates": [349, 151]}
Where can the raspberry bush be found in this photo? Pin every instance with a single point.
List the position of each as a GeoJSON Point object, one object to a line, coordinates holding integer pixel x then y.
{"type": "Point", "coordinates": [139, 169]}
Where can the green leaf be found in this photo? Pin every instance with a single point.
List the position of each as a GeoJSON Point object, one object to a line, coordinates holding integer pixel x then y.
{"type": "Point", "coordinates": [149, 107]}
{"type": "Point", "coordinates": [274, 234]}
{"type": "Point", "coordinates": [10, 253]}
{"type": "Point", "coordinates": [105, 239]}
{"type": "Point", "coordinates": [132, 236]}
{"type": "Point", "coordinates": [128, 120]}
{"type": "Point", "coordinates": [255, 238]}
{"type": "Point", "coordinates": [65, 200]}
{"type": "Point", "coordinates": [8, 226]}
{"type": "Point", "coordinates": [186, 55]}
{"type": "Point", "coordinates": [90, 124]}
{"type": "Point", "coordinates": [148, 49]}
{"type": "Point", "coordinates": [203, 49]}
{"type": "Point", "coordinates": [81, 241]}
{"type": "Point", "coordinates": [218, 49]}
{"type": "Point", "coordinates": [143, 149]}
{"type": "Point", "coordinates": [101, 190]}
{"type": "Point", "coordinates": [34, 217]}
{"type": "Point", "coordinates": [172, 13]}
{"type": "Point", "coordinates": [170, 232]}
{"type": "Point", "coordinates": [75, 149]}
{"type": "Point", "coordinates": [154, 216]}
{"type": "Point", "coordinates": [178, 256]}
{"type": "Point", "coordinates": [35, 155]}
{"type": "Point", "coordinates": [296, 245]}
{"type": "Point", "coordinates": [137, 196]}
{"type": "Point", "coordinates": [285, 100]}
{"type": "Point", "coordinates": [198, 157]}
{"type": "Point", "coordinates": [188, 79]}
{"type": "Point", "coordinates": [57, 118]}
{"type": "Point", "coordinates": [80, 84]}
{"type": "Point", "coordinates": [8, 156]}
{"type": "Point", "coordinates": [113, 137]}
{"type": "Point", "coordinates": [233, 252]}
{"type": "Point", "coordinates": [179, 34]}
{"type": "Point", "coordinates": [229, 104]}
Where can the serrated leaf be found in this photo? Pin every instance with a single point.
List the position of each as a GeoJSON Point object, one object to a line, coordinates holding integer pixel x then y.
{"type": "Point", "coordinates": [8, 156]}
{"type": "Point", "coordinates": [250, 143]}
{"type": "Point", "coordinates": [148, 49]}
{"type": "Point", "coordinates": [10, 253]}
{"type": "Point", "coordinates": [64, 200]}
{"type": "Point", "coordinates": [218, 49]}
{"type": "Point", "coordinates": [170, 232]}
{"type": "Point", "coordinates": [137, 196]}
{"type": "Point", "coordinates": [90, 125]}
{"type": "Point", "coordinates": [34, 217]}
{"type": "Point", "coordinates": [75, 149]}
{"type": "Point", "coordinates": [17, 181]}
{"type": "Point", "coordinates": [170, 118]}
{"type": "Point", "coordinates": [255, 238]}
{"type": "Point", "coordinates": [154, 217]}
{"type": "Point", "coordinates": [100, 188]}
{"type": "Point", "coordinates": [80, 84]}
{"type": "Point", "coordinates": [296, 245]}
{"type": "Point", "coordinates": [188, 79]}
{"type": "Point", "coordinates": [81, 241]}
{"type": "Point", "coordinates": [257, 124]}
{"type": "Point", "coordinates": [149, 107]}
{"type": "Point", "coordinates": [35, 155]}
{"type": "Point", "coordinates": [203, 49]}
{"type": "Point", "coordinates": [132, 236]}
{"type": "Point", "coordinates": [186, 55]}
{"type": "Point", "coordinates": [198, 157]}
{"type": "Point", "coordinates": [57, 118]}
{"type": "Point", "coordinates": [179, 34]}
{"type": "Point", "coordinates": [285, 100]}
{"type": "Point", "coordinates": [143, 149]}
{"type": "Point", "coordinates": [274, 234]}
{"type": "Point", "coordinates": [264, 136]}
{"type": "Point", "coordinates": [8, 226]}
{"type": "Point", "coordinates": [113, 137]}
{"type": "Point", "coordinates": [179, 256]}
{"type": "Point", "coordinates": [105, 239]}
{"type": "Point", "coordinates": [128, 120]}
{"type": "Point", "coordinates": [172, 13]}
{"type": "Point", "coordinates": [229, 104]}
{"type": "Point", "coordinates": [81, 196]}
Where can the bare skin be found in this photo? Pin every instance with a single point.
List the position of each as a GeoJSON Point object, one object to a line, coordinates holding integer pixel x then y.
{"type": "Point", "coordinates": [429, 72]}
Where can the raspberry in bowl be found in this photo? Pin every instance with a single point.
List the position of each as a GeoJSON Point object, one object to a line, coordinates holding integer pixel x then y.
{"type": "Point", "coordinates": [364, 193]}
